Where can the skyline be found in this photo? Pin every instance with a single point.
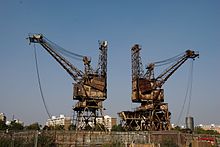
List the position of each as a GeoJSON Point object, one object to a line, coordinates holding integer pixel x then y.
{"type": "Point", "coordinates": [163, 29]}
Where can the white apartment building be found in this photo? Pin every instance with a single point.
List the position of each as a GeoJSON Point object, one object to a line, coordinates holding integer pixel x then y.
{"type": "Point", "coordinates": [108, 122]}
{"type": "Point", "coordinates": [61, 120]}
{"type": "Point", "coordinates": [2, 117]}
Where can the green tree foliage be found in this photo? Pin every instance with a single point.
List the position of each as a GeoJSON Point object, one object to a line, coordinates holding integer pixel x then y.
{"type": "Point", "coordinates": [199, 130]}
{"type": "Point", "coordinates": [34, 126]}
{"type": "Point", "coordinates": [118, 128]}
{"type": "Point", "coordinates": [177, 128]}
{"type": "Point", "coordinates": [56, 127]}
{"type": "Point", "coordinates": [59, 127]}
{"type": "Point", "coordinates": [15, 126]}
{"type": "Point", "coordinates": [184, 130]}
{"type": "Point", "coordinates": [3, 126]}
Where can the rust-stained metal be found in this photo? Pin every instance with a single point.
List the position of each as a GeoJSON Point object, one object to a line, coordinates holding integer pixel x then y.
{"type": "Point", "coordinates": [153, 113]}
{"type": "Point", "coordinates": [150, 117]}
{"type": "Point", "coordinates": [90, 87]}
{"type": "Point", "coordinates": [91, 93]}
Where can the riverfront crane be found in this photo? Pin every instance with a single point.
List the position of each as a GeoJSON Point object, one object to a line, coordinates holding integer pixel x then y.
{"type": "Point", "coordinates": [89, 87]}
{"type": "Point", "coordinates": [147, 90]}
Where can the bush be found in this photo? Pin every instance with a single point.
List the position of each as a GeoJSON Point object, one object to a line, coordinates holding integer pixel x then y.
{"type": "Point", "coordinates": [117, 128]}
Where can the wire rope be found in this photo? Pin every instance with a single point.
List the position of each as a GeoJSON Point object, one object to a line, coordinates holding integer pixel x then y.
{"type": "Point", "coordinates": [169, 60]}
{"type": "Point", "coordinates": [39, 83]}
{"type": "Point", "coordinates": [188, 93]}
{"type": "Point", "coordinates": [64, 51]}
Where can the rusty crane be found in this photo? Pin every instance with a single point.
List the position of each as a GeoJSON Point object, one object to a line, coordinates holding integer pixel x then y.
{"type": "Point", "coordinates": [89, 87]}
{"type": "Point", "coordinates": [152, 114]}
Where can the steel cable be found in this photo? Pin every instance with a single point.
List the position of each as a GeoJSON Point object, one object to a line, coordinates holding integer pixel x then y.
{"type": "Point", "coordinates": [188, 93]}
{"type": "Point", "coordinates": [190, 90]}
{"type": "Point", "coordinates": [64, 51]}
{"type": "Point", "coordinates": [39, 83]}
{"type": "Point", "coordinates": [167, 61]}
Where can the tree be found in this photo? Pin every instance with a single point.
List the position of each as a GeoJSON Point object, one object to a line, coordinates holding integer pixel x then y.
{"type": "Point", "coordinates": [34, 126]}
{"type": "Point", "coordinates": [200, 130]}
{"type": "Point", "coordinates": [46, 128]}
{"type": "Point", "coordinates": [3, 126]}
{"type": "Point", "coordinates": [56, 127]}
{"type": "Point", "coordinates": [15, 126]}
{"type": "Point", "coordinates": [177, 128]}
{"type": "Point", "coordinates": [118, 128]}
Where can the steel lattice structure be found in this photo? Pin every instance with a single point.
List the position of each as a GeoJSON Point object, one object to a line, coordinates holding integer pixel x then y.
{"type": "Point", "coordinates": [89, 87]}
{"type": "Point", "coordinates": [153, 113]}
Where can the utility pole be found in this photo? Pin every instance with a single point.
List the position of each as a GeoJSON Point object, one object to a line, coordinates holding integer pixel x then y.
{"type": "Point", "coordinates": [36, 139]}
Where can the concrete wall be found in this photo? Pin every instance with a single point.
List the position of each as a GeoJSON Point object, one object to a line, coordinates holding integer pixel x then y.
{"type": "Point", "coordinates": [117, 138]}
{"type": "Point", "coordinates": [93, 139]}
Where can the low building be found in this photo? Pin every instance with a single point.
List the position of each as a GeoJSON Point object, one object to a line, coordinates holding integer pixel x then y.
{"type": "Point", "coordinates": [108, 122]}
{"type": "Point", "coordinates": [210, 127]}
{"type": "Point", "coordinates": [59, 121]}
{"type": "Point", "coordinates": [2, 117]}
{"type": "Point", "coordinates": [8, 122]}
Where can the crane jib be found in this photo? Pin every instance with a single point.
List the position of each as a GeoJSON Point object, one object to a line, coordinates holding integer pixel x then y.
{"type": "Point", "coordinates": [75, 73]}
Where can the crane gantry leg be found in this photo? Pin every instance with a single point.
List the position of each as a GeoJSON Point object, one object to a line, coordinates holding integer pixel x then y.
{"type": "Point", "coordinates": [89, 115]}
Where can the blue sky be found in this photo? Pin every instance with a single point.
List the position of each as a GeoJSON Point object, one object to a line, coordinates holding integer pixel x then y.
{"type": "Point", "coordinates": [162, 28]}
